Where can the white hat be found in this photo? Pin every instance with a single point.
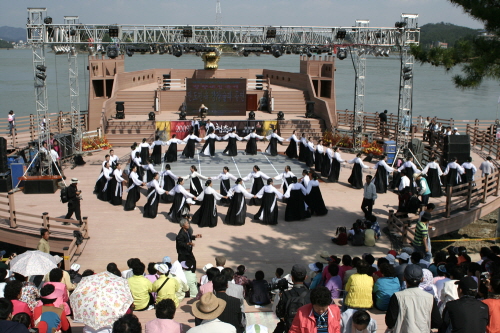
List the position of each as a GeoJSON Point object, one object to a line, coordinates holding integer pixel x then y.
{"type": "Point", "coordinates": [391, 259]}
{"type": "Point", "coordinates": [75, 267]}
{"type": "Point", "coordinates": [313, 267]}
{"type": "Point", "coordinates": [74, 181]}
{"type": "Point", "coordinates": [404, 256]}
{"type": "Point", "coordinates": [207, 267]}
{"type": "Point", "coordinates": [425, 262]}
{"type": "Point", "coordinates": [162, 268]}
{"type": "Point", "coordinates": [455, 129]}
{"type": "Point", "coordinates": [57, 259]}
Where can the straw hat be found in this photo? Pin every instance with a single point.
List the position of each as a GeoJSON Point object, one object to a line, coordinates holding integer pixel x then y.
{"type": "Point", "coordinates": [323, 256]}
{"type": "Point", "coordinates": [208, 307]}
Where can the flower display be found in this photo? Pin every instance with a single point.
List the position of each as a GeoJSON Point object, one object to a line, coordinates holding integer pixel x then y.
{"type": "Point", "coordinates": [373, 148]}
{"type": "Point", "coordinates": [95, 143]}
{"type": "Point", "coordinates": [337, 140]}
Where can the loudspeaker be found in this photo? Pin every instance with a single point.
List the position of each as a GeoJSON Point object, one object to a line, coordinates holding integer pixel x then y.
{"type": "Point", "coordinates": [152, 115]}
{"type": "Point", "coordinates": [36, 186]}
{"type": "Point", "coordinates": [456, 146]}
{"type": "Point", "coordinates": [3, 156]}
{"type": "Point", "coordinates": [6, 183]}
{"type": "Point", "coordinates": [120, 110]}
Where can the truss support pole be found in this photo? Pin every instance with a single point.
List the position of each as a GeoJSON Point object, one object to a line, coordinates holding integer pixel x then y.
{"type": "Point", "coordinates": [359, 86]}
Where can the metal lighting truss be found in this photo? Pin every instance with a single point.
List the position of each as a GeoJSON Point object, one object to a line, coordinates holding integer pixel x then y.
{"type": "Point", "coordinates": [359, 85]}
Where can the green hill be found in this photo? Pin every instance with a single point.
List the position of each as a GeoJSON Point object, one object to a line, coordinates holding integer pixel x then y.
{"type": "Point", "coordinates": [5, 45]}
{"type": "Point", "coordinates": [444, 32]}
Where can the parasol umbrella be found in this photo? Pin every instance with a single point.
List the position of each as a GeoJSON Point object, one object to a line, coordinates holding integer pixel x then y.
{"type": "Point", "coordinates": [33, 263]}
{"type": "Point", "coordinates": [100, 299]}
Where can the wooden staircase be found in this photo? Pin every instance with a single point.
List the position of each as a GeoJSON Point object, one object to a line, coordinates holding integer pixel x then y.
{"type": "Point", "coordinates": [312, 127]}
{"type": "Point", "coordinates": [137, 102]}
{"type": "Point", "coordinates": [291, 102]}
{"type": "Point", "coordinates": [122, 133]}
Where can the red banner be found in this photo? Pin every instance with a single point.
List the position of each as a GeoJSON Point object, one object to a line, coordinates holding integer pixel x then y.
{"type": "Point", "coordinates": [180, 129]}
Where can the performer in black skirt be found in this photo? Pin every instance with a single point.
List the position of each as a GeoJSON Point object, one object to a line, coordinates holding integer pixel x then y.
{"type": "Point", "coordinates": [296, 207]}
{"type": "Point", "coordinates": [272, 148]}
{"type": "Point", "coordinates": [182, 201]}
{"type": "Point", "coordinates": [154, 193]}
{"type": "Point", "coordinates": [133, 152]}
{"type": "Point", "coordinates": [225, 185]}
{"type": "Point", "coordinates": [156, 154]}
{"type": "Point", "coordinates": [291, 150]}
{"type": "Point", "coordinates": [113, 159]}
{"type": "Point", "coordinates": [303, 148]}
{"type": "Point", "coordinates": [102, 190]}
{"type": "Point", "coordinates": [258, 183]}
{"type": "Point", "coordinates": [314, 199]}
{"type": "Point", "coordinates": [318, 156]}
{"type": "Point", "coordinates": [138, 162]}
{"type": "Point", "coordinates": [268, 212]}
{"type": "Point", "coordinates": [134, 191]}
{"type": "Point", "coordinates": [433, 174]}
{"type": "Point", "coordinates": [454, 172]}
{"type": "Point", "coordinates": [336, 166]}
{"type": "Point", "coordinates": [167, 182]}
{"type": "Point", "coordinates": [195, 184]}
{"type": "Point", "coordinates": [206, 215]}
{"type": "Point", "coordinates": [101, 180]}
{"type": "Point", "coordinates": [287, 178]}
{"type": "Point", "coordinates": [209, 146]}
{"type": "Point", "coordinates": [190, 142]}
{"type": "Point", "coordinates": [356, 178]}
{"type": "Point", "coordinates": [231, 148]}
{"type": "Point", "coordinates": [144, 146]}
{"type": "Point", "coordinates": [469, 171]}
{"type": "Point", "coordinates": [237, 210]}
{"type": "Point", "coordinates": [251, 148]}
{"type": "Point", "coordinates": [171, 154]}
{"type": "Point", "coordinates": [309, 153]}
{"type": "Point", "coordinates": [116, 186]}
{"type": "Point", "coordinates": [150, 170]}
{"type": "Point", "coordinates": [410, 169]}
{"type": "Point", "coordinates": [196, 126]}
{"type": "Point", "coordinates": [381, 177]}
{"type": "Point", "coordinates": [327, 156]}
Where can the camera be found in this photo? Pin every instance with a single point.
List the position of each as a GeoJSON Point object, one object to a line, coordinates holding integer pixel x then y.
{"type": "Point", "coordinates": [282, 285]}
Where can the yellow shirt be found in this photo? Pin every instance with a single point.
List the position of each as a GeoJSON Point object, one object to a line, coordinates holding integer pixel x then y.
{"type": "Point", "coordinates": [167, 291]}
{"type": "Point", "coordinates": [359, 291]}
{"type": "Point", "coordinates": [43, 246]}
{"type": "Point", "coordinates": [140, 288]}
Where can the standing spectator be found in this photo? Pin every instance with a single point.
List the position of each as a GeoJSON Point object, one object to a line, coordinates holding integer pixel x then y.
{"type": "Point", "coordinates": [140, 287]}
{"type": "Point", "coordinates": [12, 122]}
{"type": "Point", "coordinates": [412, 310]}
{"type": "Point", "coordinates": [369, 197]}
{"type": "Point", "coordinates": [49, 317]}
{"type": "Point", "coordinates": [165, 311]}
{"type": "Point", "coordinates": [129, 323]}
{"type": "Point", "coordinates": [6, 325]}
{"type": "Point", "coordinates": [466, 314]}
{"type": "Point", "coordinates": [43, 243]}
{"type": "Point", "coordinates": [334, 284]}
{"type": "Point", "coordinates": [232, 312]}
{"type": "Point", "coordinates": [166, 287]}
{"type": "Point", "coordinates": [208, 309]}
{"type": "Point", "coordinates": [359, 288]}
{"type": "Point", "coordinates": [318, 316]}
{"type": "Point", "coordinates": [420, 241]}
{"type": "Point", "coordinates": [385, 287]}
{"type": "Point", "coordinates": [259, 290]}
{"type": "Point", "coordinates": [487, 167]}
{"type": "Point", "coordinates": [423, 188]}
{"type": "Point", "coordinates": [448, 290]}
{"type": "Point", "coordinates": [493, 303]}
{"type": "Point", "coordinates": [74, 201]}
{"type": "Point", "coordinates": [357, 321]}
{"type": "Point", "coordinates": [383, 122]}
{"type": "Point", "coordinates": [187, 266]}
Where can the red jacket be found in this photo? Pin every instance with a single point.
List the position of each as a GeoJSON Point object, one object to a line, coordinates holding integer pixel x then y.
{"type": "Point", "coordinates": [304, 321]}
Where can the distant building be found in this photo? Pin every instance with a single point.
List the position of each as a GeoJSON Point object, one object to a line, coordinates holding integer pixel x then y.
{"type": "Point", "coordinates": [441, 45]}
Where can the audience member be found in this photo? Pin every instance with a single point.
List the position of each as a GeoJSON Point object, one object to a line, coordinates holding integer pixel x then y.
{"type": "Point", "coordinates": [220, 261]}
{"type": "Point", "coordinates": [165, 311]}
{"type": "Point", "coordinates": [152, 272]}
{"type": "Point", "coordinates": [61, 291]}
{"type": "Point", "coordinates": [208, 309]}
{"type": "Point", "coordinates": [346, 265]}
{"type": "Point", "coordinates": [177, 272]}
{"type": "Point", "coordinates": [128, 272]}
{"type": "Point", "coordinates": [351, 271]}
{"type": "Point", "coordinates": [240, 278]}
{"type": "Point", "coordinates": [493, 302]}
{"type": "Point", "coordinates": [359, 288]}
{"type": "Point", "coordinates": [50, 318]}
{"type": "Point", "coordinates": [22, 318]}
{"type": "Point", "coordinates": [140, 287]}
{"type": "Point", "coordinates": [204, 278]}
{"type": "Point", "coordinates": [129, 323]}
{"type": "Point", "coordinates": [259, 290]}
{"type": "Point", "coordinates": [232, 312]}
{"type": "Point", "coordinates": [3, 282]}
{"type": "Point", "coordinates": [233, 289]}
{"type": "Point", "coordinates": [439, 259]}
{"type": "Point", "coordinates": [87, 272]}
{"type": "Point", "coordinates": [449, 291]}
{"type": "Point", "coordinates": [6, 325]}
{"type": "Point", "coordinates": [334, 284]}
{"type": "Point", "coordinates": [187, 266]}
{"type": "Point", "coordinates": [30, 293]}
{"type": "Point", "coordinates": [13, 293]}
{"type": "Point", "coordinates": [385, 287]}
{"type": "Point", "coordinates": [316, 269]}
{"type": "Point", "coordinates": [165, 287]}
{"type": "Point", "coordinates": [208, 287]}
{"type": "Point", "coordinates": [427, 283]}
{"type": "Point", "coordinates": [112, 268]}
{"type": "Point", "coordinates": [357, 321]}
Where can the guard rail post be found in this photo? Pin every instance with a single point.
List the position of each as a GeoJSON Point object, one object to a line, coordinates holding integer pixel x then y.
{"type": "Point", "coordinates": [45, 220]}
{"type": "Point", "coordinates": [32, 127]}
{"type": "Point", "coordinates": [12, 210]}
{"type": "Point", "coordinates": [469, 196]}
{"type": "Point", "coordinates": [485, 188]}
{"type": "Point", "coordinates": [60, 122]}
{"type": "Point", "coordinates": [449, 190]}
{"type": "Point", "coordinates": [497, 187]}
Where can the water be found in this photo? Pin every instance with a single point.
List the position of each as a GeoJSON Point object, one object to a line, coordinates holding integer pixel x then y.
{"type": "Point", "coordinates": [434, 92]}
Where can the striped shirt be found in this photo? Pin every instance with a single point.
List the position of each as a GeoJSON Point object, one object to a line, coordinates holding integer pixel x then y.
{"type": "Point", "coordinates": [321, 322]}
{"type": "Point", "coordinates": [421, 231]}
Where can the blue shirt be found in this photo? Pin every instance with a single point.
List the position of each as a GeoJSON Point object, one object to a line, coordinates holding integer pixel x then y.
{"type": "Point", "coordinates": [321, 322]}
{"type": "Point", "coordinates": [316, 281]}
{"type": "Point", "coordinates": [383, 289]}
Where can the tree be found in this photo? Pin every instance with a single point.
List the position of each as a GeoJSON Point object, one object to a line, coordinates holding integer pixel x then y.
{"type": "Point", "coordinates": [480, 57]}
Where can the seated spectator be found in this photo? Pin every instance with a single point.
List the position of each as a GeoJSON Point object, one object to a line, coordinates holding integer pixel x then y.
{"type": "Point", "coordinates": [358, 237]}
{"type": "Point", "coordinates": [165, 311]}
{"type": "Point", "coordinates": [6, 325]}
{"type": "Point", "coordinates": [346, 265]}
{"type": "Point", "coordinates": [352, 271]}
{"type": "Point", "coordinates": [30, 293]}
{"type": "Point", "coordinates": [165, 287]}
{"type": "Point", "coordinates": [177, 273]}
{"type": "Point", "coordinates": [316, 273]}
{"type": "Point", "coordinates": [140, 287]}
{"type": "Point", "coordinates": [427, 283]}
{"type": "Point", "coordinates": [208, 309]}
{"type": "Point", "coordinates": [318, 316]}
{"type": "Point", "coordinates": [326, 273]}
{"type": "Point", "coordinates": [49, 317]}
{"type": "Point", "coordinates": [129, 323]}
{"type": "Point", "coordinates": [234, 290]}
{"type": "Point", "coordinates": [74, 276]}
{"type": "Point", "coordinates": [341, 237]}
{"type": "Point", "coordinates": [439, 259]}
{"type": "Point", "coordinates": [370, 237]}
{"type": "Point", "coordinates": [130, 263]}
{"type": "Point", "coordinates": [385, 287]}
{"type": "Point", "coordinates": [358, 321]}
{"type": "Point", "coordinates": [208, 287]}
{"type": "Point", "coordinates": [13, 293]}
{"type": "Point", "coordinates": [334, 284]}
{"type": "Point", "coordinates": [87, 272]}
{"type": "Point", "coordinates": [3, 282]}
{"type": "Point", "coordinates": [474, 271]}
{"type": "Point", "coordinates": [399, 270]}
{"type": "Point", "coordinates": [220, 261]}
{"type": "Point", "coordinates": [152, 272]}
{"type": "Point", "coordinates": [187, 266]}
{"type": "Point", "coordinates": [66, 279]}
{"type": "Point", "coordinates": [449, 291]}
{"type": "Point", "coordinates": [259, 290]}
{"type": "Point", "coordinates": [204, 278]}
{"type": "Point", "coordinates": [240, 279]}
{"type": "Point", "coordinates": [359, 288]}
{"type": "Point", "coordinates": [378, 274]}
{"type": "Point", "coordinates": [493, 303]}
{"type": "Point", "coordinates": [22, 318]}
{"type": "Point", "coordinates": [278, 275]}
{"type": "Point", "coordinates": [232, 312]}
{"type": "Point", "coordinates": [56, 276]}
{"type": "Point", "coordinates": [112, 268]}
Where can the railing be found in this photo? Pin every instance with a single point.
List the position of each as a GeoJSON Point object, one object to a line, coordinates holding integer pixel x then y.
{"type": "Point", "coordinates": [29, 225]}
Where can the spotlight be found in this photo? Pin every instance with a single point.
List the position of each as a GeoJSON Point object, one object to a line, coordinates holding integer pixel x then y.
{"type": "Point", "coordinates": [92, 51]}
{"type": "Point", "coordinates": [182, 115]}
{"type": "Point", "coordinates": [407, 77]}
{"type": "Point", "coordinates": [120, 110]}
{"type": "Point", "coordinates": [342, 54]}
{"type": "Point", "coordinates": [187, 32]}
{"type": "Point", "coordinates": [341, 34]}
{"type": "Point", "coordinates": [129, 50]}
{"type": "Point", "coordinates": [153, 49]}
{"type": "Point", "coordinates": [361, 51]}
{"type": "Point", "coordinates": [177, 50]}
{"type": "Point", "coordinates": [151, 115]}
{"type": "Point", "coordinates": [277, 51]}
{"type": "Point", "coordinates": [47, 20]}
{"type": "Point", "coordinates": [406, 70]}
{"type": "Point", "coordinates": [400, 24]}
{"type": "Point", "coordinates": [235, 47]}
{"type": "Point", "coordinates": [112, 51]}
{"type": "Point", "coordinates": [251, 115]}
{"type": "Point", "coordinates": [271, 32]}
{"type": "Point", "coordinates": [113, 31]}
{"type": "Point", "coordinates": [41, 76]}
{"type": "Point", "coordinates": [281, 115]}
{"type": "Point", "coordinates": [72, 51]}
{"type": "Point", "coordinates": [41, 68]}
{"type": "Point", "coordinates": [246, 53]}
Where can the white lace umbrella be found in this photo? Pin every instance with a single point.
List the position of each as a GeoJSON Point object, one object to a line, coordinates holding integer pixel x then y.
{"type": "Point", "coordinates": [33, 263]}
{"type": "Point", "coordinates": [100, 299]}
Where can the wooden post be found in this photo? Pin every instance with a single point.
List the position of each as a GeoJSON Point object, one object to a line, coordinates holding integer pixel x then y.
{"type": "Point", "coordinates": [497, 176]}
{"type": "Point", "coordinates": [449, 190]}
{"type": "Point", "coordinates": [45, 220]}
{"type": "Point", "coordinates": [66, 258]}
{"type": "Point", "coordinates": [485, 187]}
{"type": "Point", "coordinates": [12, 210]}
{"type": "Point", "coordinates": [60, 122]}
{"type": "Point", "coordinates": [469, 196]}
{"type": "Point", "coordinates": [32, 127]}
{"type": "Point", "coordinates": [85, 226]}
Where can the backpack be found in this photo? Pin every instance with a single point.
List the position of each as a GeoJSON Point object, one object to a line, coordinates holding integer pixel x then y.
{"type": "Point", "coordinates": [64, 194]}
{"type": "Point", "coordinates": [296, 299]}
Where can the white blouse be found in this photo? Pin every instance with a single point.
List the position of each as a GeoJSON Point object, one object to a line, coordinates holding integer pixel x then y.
{"type": "Point", "coordinates": [409, 164]}
{"type": "Point", "coordinates": [224, 176]}
{"type": "Point", "coordinates": [310, 145]}
{"type": "Point", "coordinates": [293, 137]}
{"type": "Point", "coordinates": [138, 162]}
{"type": "Point", "coordinates": [209, 190]}
{"type": "Point", "coordinates": [106, 172]}
{"type": "Point", "coordinates": [118, 175]}
{"type": "Point", "coordinates": [157, 143]}
{"type": "Point", "coordinates": [180, 189]}
{"type": "Point", "coordinates": [211, 136]}
{"type": "Point", "coordinates": [239, 189]}
{"type": "Point", "coordinates": [336, 155]}
{"type": "Point", "coordinates": [330, 153]}
{"type": "Point", "coordinates": [135, 180]}
{"type": "Point", "coordinates": [359, 161]}
{"type": "Point", "coordinates": [320, 149]}
{"type": "Point", "coordinates": [454, 165]}
{"type": "Point", "coordinates": [253, 135]}
{"type": "Point", "coordinates": [194, 174]}
{"type": "Point", "coordinates": [283, 175]}
{"type": "Point", "coordinates": [150, 167]}
{"type": "Point", "coordinates": [254, 174]}
{"type": "Point", "coordinates": [232, 135]}
{"type": "Point", "coordinates": [274, 135]}
{"type": "Point", "coordinates": [113, 158]}
{"type": "Point", "coordinates": [269, 189]}
{"type": "Point", "coordinates": [383, 164]}
{"type": "Point", "coordinates": [144, 145]}
{"type": "Point", "coordinates": [193, 137]}
{"type": "Point", "coordinates": [432, 165]}
{"type": "Point", "coordinates": [154, 183]}
{"type": "Point", "coordinates": [295, 186]}
{"type": "Point", "coordinates": [305, 181]}
{"type": "Point", "coordinates": [170, 174]}
{"type": "Point", "coordinates": [312, 183]}
{"type": "Point", "coordinates": [174, 140]}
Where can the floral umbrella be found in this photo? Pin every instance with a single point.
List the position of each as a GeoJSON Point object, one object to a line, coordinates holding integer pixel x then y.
{"type": "Point", "coordinates": [100, 299]}
{"type": "Point", "coordinates": [33, 263]}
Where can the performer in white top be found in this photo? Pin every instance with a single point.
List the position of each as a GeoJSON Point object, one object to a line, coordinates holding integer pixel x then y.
{"type": "Point", "coordinates": [195, 184]}
{"type": "Point", "coordinates": [453, 171]}
{"type": "Point", "coordinates": [433, 172]}
{"type": "Point", "coordinates": [381, 176]}
{"type": "Point", "coordinates": [167, 182]}
{"type": "Point", "coordinates": [134, 149]}
{"type": "Point", "coordinates": [115, 186]}
{"type": "Point", "coordinates": [469, 170]}
{"type": "Point", "coordinates": [209, 146]}
{"type": "Point", "coordinates": [268, 212]}
{"type": "Point", "coordinates": [196, 126]}
{"type": "Point", "coordinates": [356, 178]}
{"type": "Point", "coordinates": [335, 163]}
{"type": "Point", "coordinates": [237, 210]}
{"type": "Point", "coordinates": [303, 148]}
{"type": "Point", "coordinates": [296, 208]}
{"type": "Point", "coordinates": [487, 167]}
{"type": "Point", "coordinates": [182, 201]}
{"type": "Point", "coordinates": [291, 151]}
{"type": "Point", "coordinates": [190, 142]}
{"type": "Point", "coordinates": [154, 193]}
{"type": "Point", "coordinates": [287, 176]}
{"type": "Point", "coordinates": [171, 154]}
{"type": "Point", "coordinates": [156, 154]}
{"type": "Point", "coordinates": [295, 186]}
{"type": "Point", "coordinates": [206, 215]}
{"type": "Point", "coordinates": [314, 199]}
{"type": "Point", "coordinates": [225, 185]}
{"type": "Point", "coordinates": [257, 176]}
{"type": "Point", "coordinates": [113, 159]}
{"type": "Point", "coordinates": [318, 156]}
{"type": "Point", "coordinates": [209, 125]}
{"type": "Point", "coordinates": [144, 149]}
{"type": "Point", "coordinates": [251, 148]}
{"type": "Point", "coordinates": [134, 191]}
{"type": "Point", "coordinates": [150, 171]}
{"type": "Point", "coordinates": [101, 187]}
{"type": "Point", "coordinates": [310, 153]}
{"type": "Point", "coordinates": [274, 138]}
{"type": "Point", "coordinates": [231, 148]}
{"type": "Point", "coordinates": [305, 178]}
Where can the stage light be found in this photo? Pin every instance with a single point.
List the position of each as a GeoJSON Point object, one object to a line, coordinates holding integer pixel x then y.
{"type": "Point", "coordinates": [153, 49]}
{"type": "Point", "coordinates": [72, 50]}
{"type": "Point", "coordinates": [385, 53]}
{"type": "Point", "coordinates": [151, 115]}
{"type": "Point", "coordinates": [400, 24]}
{"type": "Point", "coordinates": [182, 115]}
{"type": "Point", "coordinates": [177, 50]}
{"type": "Point", "coordinates": [281, 115]}
{"type": "Point", "coordinates": [41, 68]}
{"type": "Point", "coordinates": [276, 51]}
{"type": "Point", "coordinates": [47, 20]}
{"type": "Point", "coordinates": [120, 110]}
{"type": "Point", "coordinates": [245, 53]}
{"type": "Point", "coordinates": [341, 34]}
{"type": "Point", "coordinates": [342, 54]}
{"type": "Point", "coordinates": [407, 77]}
{"type": "Point", "coordinates": [113, 32]}
{"type": "Point", "coordinates": [187, 32]}
{"type": "Point", "coordinates": [112, 51]}
{"type": "Point", "coordinates": [92, 51]}
{"type": "Point", "coordinates": [251, 115]}
{"type": "Point", "coordinates": [361, 52]}
{"type": "Point", "coordinates": [406, 70]}
{"type": "Point", "coordinates": [271, 32]}
{"type": "Point", "coordinates": [41, 76]}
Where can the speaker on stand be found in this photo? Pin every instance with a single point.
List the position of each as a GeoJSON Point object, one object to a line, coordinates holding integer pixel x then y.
{"type": "Point", "coordinates": [456, 146]}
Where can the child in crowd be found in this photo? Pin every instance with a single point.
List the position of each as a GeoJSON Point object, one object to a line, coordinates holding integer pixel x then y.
{"type": "Point", "coordinates": [358, 321]}
{"type": "Point", "coordinates": [340, 236]}
{"type": "Point", "coordinates": [278, 276]}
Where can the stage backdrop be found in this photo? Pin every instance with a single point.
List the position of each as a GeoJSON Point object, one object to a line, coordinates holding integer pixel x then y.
{"type": "Point", "coordinates": [222, 97]}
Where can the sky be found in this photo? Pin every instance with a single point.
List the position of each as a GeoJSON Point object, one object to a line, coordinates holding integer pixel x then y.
{"type": "Point", "coordinates": [381, 13]}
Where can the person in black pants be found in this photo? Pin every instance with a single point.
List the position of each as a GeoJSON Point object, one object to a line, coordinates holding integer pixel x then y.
{"type": "Point", "coordinates": [74, 201]}
{"type": "Point", "coordinates": [184, 243]}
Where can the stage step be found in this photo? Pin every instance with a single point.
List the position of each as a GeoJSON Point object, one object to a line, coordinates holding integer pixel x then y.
{"type": "Point", "coordinates": [312, 127]}
{"type": "Point", "coordinates": [290, 102]}
{"type": "Point", "coordinates": [122, 133]}
{"type": "Point", "coordinates": [137, 102]}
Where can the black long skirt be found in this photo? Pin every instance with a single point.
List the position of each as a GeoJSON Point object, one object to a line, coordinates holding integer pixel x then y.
{"type": "Point", "coordinates": [451, 179]}
{"type": "Point", "coordinates": [231, 148]}
{"type": "Point", "coordinates": [467, 176]}
{"type": "Point", "coordinates": [272, 148]}
{"type": "Point", "coordinates": [103, 195]}
{"type": "Point", "coordinates": [176, 211]}
{"type": "Point", "coordinates": [206, 215]}
{"type": "Point", "coordinates": [144, 154]}
{"type": "Point", "coordinates": [302, 152]}
{"type": "Point", "coordinates": [318, 161]}
{"type": "Point", "coordinates": [99, 184]}
{"type": "Point", "coordinates": [195, 188]}
{"type": "Point", "coordinates": [211, 147]}
{"type": "Point", "coordinates": [189, 149]}
{"type": "Point", "coordinates": [149, 175]}
{"type": "Point", "coordinates": [325, 168]}
{"type": "Point", "coordinates": [291, 150]}
{"type": "Point", "coordinates": [409, 173]}
{"type": "Point", "coordinates": [224, 187]}
{"type": "Point", "coordinates": [295, 208]}
{"type": "Point", "coordinates": [156, 155]}
{"type": "Point", "coordinates": [434, 183]}
{"type": "Point", "coordinates": [334, 171]}
{"type": "Point", "coordinates": [356, 178]}
{"type": "Point", "coordinates": [258, 183]}
{"type": "Point", "coordinates": [309, 158]}
{"type": "Point", "coordinates": [132, 197]}
{"type": "Point", "coordinates": [171, 154]}
{"type": "Point", "coordinates": [381, 180]}
{"type": "Point", "coordinates": [251, 148]}
{"type": "Point", "coordinates": [151, 207]}
{"type": "Point", "coordinates": [268, 217]}
{"type": "Point", "coordinates": [196, 130]}
{"type": "Point", "coordinates": [115, 200]}
{"type": "Point", "coordinates": [168, 184]}
{"type": "Point", "coordinates": [315, 202]}
{"type": "Point", "coordinates": [237, 211]}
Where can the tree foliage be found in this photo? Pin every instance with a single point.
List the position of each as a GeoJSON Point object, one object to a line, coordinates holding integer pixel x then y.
{"type": "Point", "coordinates": [479, 57]}
{"type": "Point", "coordinates": [431, 33]}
